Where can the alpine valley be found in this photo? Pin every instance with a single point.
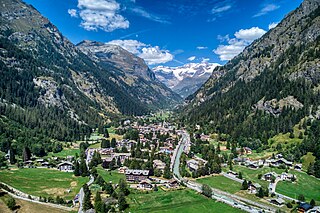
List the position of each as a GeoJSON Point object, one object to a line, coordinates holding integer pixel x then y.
{"type": "Point", "coordinates": [159, 106]}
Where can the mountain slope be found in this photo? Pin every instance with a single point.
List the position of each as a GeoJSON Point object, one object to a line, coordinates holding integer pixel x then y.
{"type": "Point", "coordinates": [133, 71]}
{"type": "Point", "coordinates": [185, 79]}
{"type": "Point", "coordinates": [51, 89]}
{"type": "Point", "coordinates": [268, 87]}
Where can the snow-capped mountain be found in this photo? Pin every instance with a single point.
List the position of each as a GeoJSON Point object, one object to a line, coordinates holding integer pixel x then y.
{"type": "Point", "coordinates": [185, 79]}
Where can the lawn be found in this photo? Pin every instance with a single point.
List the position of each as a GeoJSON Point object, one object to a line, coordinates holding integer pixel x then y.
{"type": "Point", "coordinates": [111, 135]}
{"type": "Point", "coordinates": [65, 152]}
{"type": "Point", "coordinates": [27, 207]}
{"type": "Point", "coordinates": [307, 185]}
{"type": "Point", "coordinates": [307, 159]}
{"type": "Point", "coordinates": [43, 182]}
{"type": "Point", "coordinates": [252, 174]}
{"type": "Point", "coordinates": [222, 183]}
{"type": "Point", "coordinates": [175, 201]}
{"type": "Point", "coordinates": [112, 176]}
{"type": "Point", "coordinates": [285, 140]}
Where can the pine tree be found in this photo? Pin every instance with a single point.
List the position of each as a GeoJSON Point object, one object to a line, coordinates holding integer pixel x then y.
{"type": "Point", "coordinates": [260, 193]}
{"type": "Point", "coordinates": [11, 203]}
{"type": "Point", "coordinates": [12, 157]}
{"type": "Point", "coordinates": [83, 168]}
{"type": "Point", "coordinates": [98, 203]}
{"type": "Point", "coordinates": [76, 171]}
{"type": "Point", "coordinates": [312, 202]}
{"type": "Point", "coordinates": [240, 175]}
{"type": "Point", "coordinates": [122, 202]}
{"type": "Point", "coordinates": [26, 154]}
{"type": "Point", "coordinates": [244, 185]}
{"type": "Point", "coordinates": [113, 143]}
{"type": "Point", "coordinates": [167, 173]}
{"type": "Point", "coordinates": [123, 187]}
{"type": "Point", "coordinates": [87, 198]}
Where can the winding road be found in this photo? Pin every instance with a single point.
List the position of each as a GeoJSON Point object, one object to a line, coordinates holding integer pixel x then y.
{"type": "Point", "coordinates": [225, 197]}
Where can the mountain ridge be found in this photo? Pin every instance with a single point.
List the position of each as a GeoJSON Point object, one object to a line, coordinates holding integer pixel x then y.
{"type": "Point", "coordinates": [185, 79]}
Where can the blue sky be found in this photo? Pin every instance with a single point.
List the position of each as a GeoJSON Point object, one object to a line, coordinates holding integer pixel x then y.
{"type": "Point", "coordinates": [168, 32]}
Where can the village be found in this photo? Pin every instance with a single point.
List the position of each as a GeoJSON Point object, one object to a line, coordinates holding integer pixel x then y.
{"type": "Point", "coordinates": [144, 155]}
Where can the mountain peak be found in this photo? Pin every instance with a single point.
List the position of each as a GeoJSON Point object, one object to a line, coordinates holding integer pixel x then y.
{"type": "Point", "coordinates": [185, 79]}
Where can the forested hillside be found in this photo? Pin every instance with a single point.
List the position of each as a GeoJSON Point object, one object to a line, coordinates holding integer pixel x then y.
{"type": "Point", "coordinates": [270, 86]}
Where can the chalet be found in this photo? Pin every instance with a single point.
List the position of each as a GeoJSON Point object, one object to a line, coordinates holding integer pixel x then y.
{"type": "Point", "coordinates": [45, 164]}
{"type": "Point", "coordinates": [253, 188]}
{"type": "Point", "coordinates": [136, 175]}
{"type": "Point", "coordinates": [268, 176]}
{"type": "Point", "coordinates": [298, 167]}
{"type": "Point", "coordinates": [65, 167]}
{"type": "Point", "coordinates": [240, 160]}
{"type": "Point", "coordinates": [166, 150]}
{"type": "Point", "coordinates": [251, 164]}
{"type": "Point", "coordinates": [173, 184]}
{"type": "Point", "coordinates": [315, 209]}
{"type": "Point", "coordinates": [247, 150]}
{"type": "Point", "coordinates": [286, 176]}
{"type": "Point", "coordinates": [106, 151]}
{"type": "Point", "coordinates": [193, 165]}
{"type": "Point", "coordinates": [233, 173]}
{"type": "Point", "coordinates": [40, 160]}
{"type": "Point", "coordinates": [122, 170]}
{"type": "Point", "coordinates": [304, 207]}
{"type": "Point", "coordinates": [280, 161]}
{"type": "Point", "coordinates": [145, 184]}
{"type": "Point", "coordinates": [158, 164]}
{"type": "Point", "coordinates": [277, 201]}
{"type": "Point", "coordinates": [204, 137]}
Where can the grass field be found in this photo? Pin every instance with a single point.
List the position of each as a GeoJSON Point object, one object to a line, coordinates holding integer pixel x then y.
{"type": "Point", "coordinates": [252, 174]}
{"type": "Point", "coordinates": [27, 207]}
{"type": "Point", "coordinates": [185, 201]}
{"type": "Point", "coordinates": [307, 159]}
{"type": "Point", "coordinates": [112, 135]}
{"type": "Point", "coordinates": [65, 152]}
{"type": "Point", "coordinates": [43, 182]}
{"type": "Point", "coordinates": [285, 140]}
{"type": "Point", "coordinates": [307, 185]}
{"type": "Point", "coordinates": [112, 176]}
{"type": "Point", "coordinates": [222, 183]}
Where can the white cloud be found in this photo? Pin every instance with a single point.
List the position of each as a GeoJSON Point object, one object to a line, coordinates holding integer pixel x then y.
{"type": "Point", "coordinates": [220, 9]}
{"type": "Point", "coordinates": [100, 14]}
{"type": "Point", "coordinates": [201, 48]}
{"type": "Point", "coordinates": [266, 9]}
{"type": "Point", "coordinates": [205, 60]}
{"type": "Point", "coordinates": [141, 12]}
{"type": "Point", "coordinates": [227, 52]}
{"type": "Point", "coordinates": [192, 58]}
{"type": "Point", "coordinates": [249, 34]}
{"type": "Point", "coordinates": [236, 45]}
{"type": "Point", "coordinates": [152, 55]}
{"type": "Point", "coordinates": [132, 46]}
{"type": "Point", "coordinates": [73, 12]}
{"type": "Point", "coordinates": [273, 25]}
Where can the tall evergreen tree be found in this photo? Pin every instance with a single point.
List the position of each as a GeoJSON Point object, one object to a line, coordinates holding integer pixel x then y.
{"type": "Point", "coordinates": [76, 170]}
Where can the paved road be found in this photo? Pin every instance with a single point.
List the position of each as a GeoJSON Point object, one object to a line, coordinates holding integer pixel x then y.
{"type": "Point", "coordinates": [232, 177]}
{"type": "Point", "coordinates": [230, 199]}
{"type": "Point", "coordinates": [81, 194]}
